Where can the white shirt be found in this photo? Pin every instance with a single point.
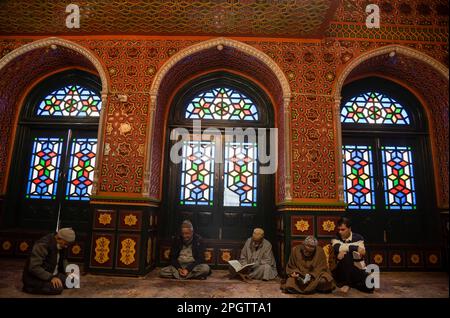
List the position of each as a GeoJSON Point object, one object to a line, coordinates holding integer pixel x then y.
{"type": "Point", "coordinates": [55, 272]}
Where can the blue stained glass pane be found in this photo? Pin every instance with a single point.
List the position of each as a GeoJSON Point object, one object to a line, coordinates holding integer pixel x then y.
{"type": "Point", "coordinates": [81, 169]}
{"type": "Point", "coordinates": [44, 167]}
{"type": "Point", "coordinates": [240, 174]}
{"type": "Point", "coordinates": [359, 179]}
{"type": "Point", "coordinates": [197, 173]}
{"type": "Point", "coordinates": [398, 175]}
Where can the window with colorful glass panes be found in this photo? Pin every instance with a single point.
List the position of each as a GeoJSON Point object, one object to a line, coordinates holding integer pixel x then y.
{"type": "Point", "coordinates": [70, 102]}
{"type": "Point", "coordinates": [375, 109]}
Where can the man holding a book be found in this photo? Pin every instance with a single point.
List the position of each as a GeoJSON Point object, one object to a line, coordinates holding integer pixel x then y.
{"type": "Point", "coordinates": [350, 251]}
{"type": "Point", "coordinates": [257, 260]}
{"type": "Point", "coordinates": [307, 269]}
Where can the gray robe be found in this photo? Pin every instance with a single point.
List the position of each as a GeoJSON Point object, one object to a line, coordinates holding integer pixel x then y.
{"type": "Point", "coordinates": [265, 267]}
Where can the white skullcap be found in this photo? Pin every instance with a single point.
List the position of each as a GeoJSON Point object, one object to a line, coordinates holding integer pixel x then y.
{"type": "Point", "coordinates": [258, 234]}
{"type": "Point", "coordinates": [311, 241]}
{"type": "Point", "coordinates": [67, 234]}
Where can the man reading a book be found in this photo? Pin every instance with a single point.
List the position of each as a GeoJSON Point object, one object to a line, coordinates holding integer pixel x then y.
{"type": "Point", "coordinates": [350, 251]}
{"type": "Point", "coordinates": [257, 251]}
{"type": "Point", "coordinates": [307, 269]}
{"type": "Point", "coordinates": [187, 256]}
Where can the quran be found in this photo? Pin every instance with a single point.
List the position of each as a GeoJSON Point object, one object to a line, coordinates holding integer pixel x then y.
{"type": "Point", "coordinates": [238, 267]}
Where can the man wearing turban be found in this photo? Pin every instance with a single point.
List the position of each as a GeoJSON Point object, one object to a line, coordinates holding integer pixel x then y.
{"type": "Point", "coordinates": [44, 271]}
{"type": "Point", "coordinates": [307, 269]}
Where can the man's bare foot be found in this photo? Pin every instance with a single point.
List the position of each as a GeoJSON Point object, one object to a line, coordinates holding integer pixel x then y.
{"type": "Point", "coordinates": [344, 289]}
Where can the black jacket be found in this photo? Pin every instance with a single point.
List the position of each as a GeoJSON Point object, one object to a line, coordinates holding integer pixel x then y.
{"type": "Point", "coordinates": [198, 252]}
{"type": "Point", "coordinates": [42, 261]}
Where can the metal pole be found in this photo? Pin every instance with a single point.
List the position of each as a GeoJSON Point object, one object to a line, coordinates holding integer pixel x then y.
{"type": "Point", "coordinates": [63, 174]}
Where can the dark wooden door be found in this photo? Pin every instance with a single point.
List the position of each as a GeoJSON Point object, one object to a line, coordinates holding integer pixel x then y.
{"type": "Point", "coordinates": [236, 197]}
{"type": "Point", "coordinates": [53, 174]}
{"type": "Point", "coordinates": [402, 211]}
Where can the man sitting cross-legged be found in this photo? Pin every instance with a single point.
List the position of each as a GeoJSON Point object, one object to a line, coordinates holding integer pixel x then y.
{"type": "Point", "coordinates": [187, 256]}
{"type": "Point", "coordinates": [350, 251]}
{"type": "Point", "coordinates": [258, 252]}
{"type": "Point", "coordinates": [307, 269]}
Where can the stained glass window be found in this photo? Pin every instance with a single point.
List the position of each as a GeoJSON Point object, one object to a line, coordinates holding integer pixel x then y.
{"type": "Point", "coordinates": [359, 179]}
{"type": "Point", "coordinates": [197, 173]}
{"type": "Point", "coordinates": [71, 100]}
{"type": "Point", "coordinates": [240, 174]}
{"type": "Point", "coordinates": [398, 176]}
{"type": "Point", "coordinates": [374, 108]}
{"type": "Point", "coordinates": [81, 168]}
{"type": "Point", "coordinates": [222, 103]}
{"type": "Point", "coordinates": [44, 166]}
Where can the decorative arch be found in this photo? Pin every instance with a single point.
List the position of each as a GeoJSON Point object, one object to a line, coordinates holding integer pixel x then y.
{"type": "Point", "coordinates": [229, 53]}
{"type": "Point", "coordinates": [220, 43]}
{"type": "Point", "coordinates": [398, 49]}
{"type": "Point", "coordinates": [30, 62]}
{"type": "Point", "coordinates": [49, 42]}
{"type": "Point", "coordinates": [367, 64]}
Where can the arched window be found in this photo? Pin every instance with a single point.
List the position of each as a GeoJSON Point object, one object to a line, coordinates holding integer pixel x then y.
{"type": "Point", "coordinates": [386, 164]}
{"type": "Point", "coordinates": [217, 184]}
{"type": "Point", "coordinates": [55, 149]}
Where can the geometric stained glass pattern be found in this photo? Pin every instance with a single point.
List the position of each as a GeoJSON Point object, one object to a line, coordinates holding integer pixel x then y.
{"type": "Point", "coordinates": [197, 173]}
{"type": "Point", "coordinates": [221, 103]}
{"type": "Point", "coordinates": [398, 174]}
{"type": "Point", "coordinates": [359, 179]}
{"type": "Point", "coordinates": [81, 168]}
{"type": "Point", "coordinates": [374, 108]}
{"type": "Point", "coordinates": [240, 174]}
{"type": "Point", "coordinates": [71, 100]}
{"type": "Point", "coordinates": [44, 166]}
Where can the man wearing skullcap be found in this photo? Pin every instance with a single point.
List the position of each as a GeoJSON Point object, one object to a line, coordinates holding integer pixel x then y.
{"type": "Point", "coordinates": [44, 271]}
{"type": "Point", "coordinates": [187, 258]}
{"type": "Point", "coordinates": [258, 250]}
{"type": "Point", "coordinates": [307, 269]}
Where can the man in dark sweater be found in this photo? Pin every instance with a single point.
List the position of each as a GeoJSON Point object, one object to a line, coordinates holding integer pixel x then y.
{"type": "Point", "coordinates": [44, 271]}
{"type": "Point", "coordinates": [349, 250]}
{"type": "Point", "coordinates": [187, 256]}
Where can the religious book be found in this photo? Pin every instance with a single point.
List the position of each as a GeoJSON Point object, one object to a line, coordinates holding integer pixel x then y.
{"type": "Point", "coordinates": [238, 267]}
{"type": "Point", "coordinates": [304, 280]}
{"type": "Point", "coordinates": [358, 260]}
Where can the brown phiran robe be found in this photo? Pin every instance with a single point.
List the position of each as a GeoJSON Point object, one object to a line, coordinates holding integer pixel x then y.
{"type": "Point", "coordinates": [315, 265]}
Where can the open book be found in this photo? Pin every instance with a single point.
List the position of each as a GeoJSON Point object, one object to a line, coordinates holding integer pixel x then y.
{"type": "Point", "coordinates": [304, 280]}
{"type": "Point", "coordinates": [358, 260]}
{"type": "Point", "coordinates": [238, 267]}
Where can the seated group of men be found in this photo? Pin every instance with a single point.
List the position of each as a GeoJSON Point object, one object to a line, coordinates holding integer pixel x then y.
{"type": "Point", "coordinates": [307, 270]}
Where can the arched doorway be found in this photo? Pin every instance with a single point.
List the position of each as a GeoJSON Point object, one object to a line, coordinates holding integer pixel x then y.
{"type": "Point", "coordinates": [55, 153]}
{"type": "Point", "coordinates": [387, 166]}
{"type": "Point", "coordinates": [217, 184]}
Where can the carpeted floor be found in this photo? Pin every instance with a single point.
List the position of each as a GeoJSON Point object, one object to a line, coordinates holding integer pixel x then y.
{"type": "Point", "coordinates": [393, 285]}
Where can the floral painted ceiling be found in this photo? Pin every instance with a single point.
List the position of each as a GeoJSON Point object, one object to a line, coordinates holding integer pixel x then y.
{"type": "Point", "coordinates": [259, 18]}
